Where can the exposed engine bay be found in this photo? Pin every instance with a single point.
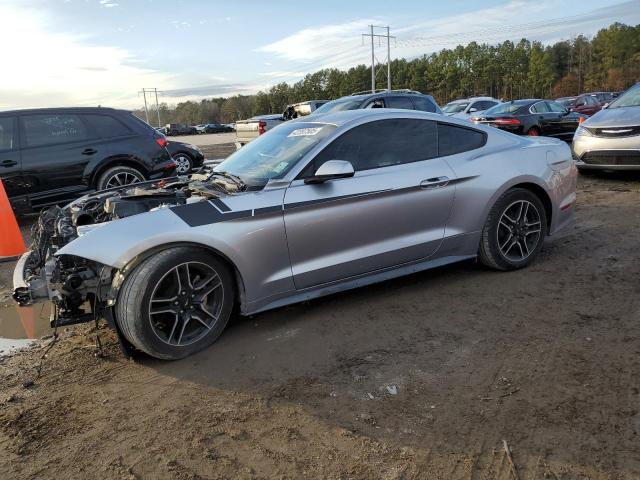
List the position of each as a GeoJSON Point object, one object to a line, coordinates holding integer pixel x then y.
{"type": "Point", "coordinates": [80, 289]}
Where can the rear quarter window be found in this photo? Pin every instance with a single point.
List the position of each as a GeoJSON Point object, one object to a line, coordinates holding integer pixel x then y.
{"type": "Point", "coordinates": [453, 139]}
{"type": "Point", "coordinates": [107, 126]}
{"type": "Point", "coordinates": [423, 104]}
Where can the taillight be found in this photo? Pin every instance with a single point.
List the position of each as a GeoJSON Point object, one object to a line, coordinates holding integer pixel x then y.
{"type": "Point", "coordinates": [262, 127]}
{"type": "Point", "coordinates": [506, 121]}
{"type": "Point", "coordinates": [162, 142]}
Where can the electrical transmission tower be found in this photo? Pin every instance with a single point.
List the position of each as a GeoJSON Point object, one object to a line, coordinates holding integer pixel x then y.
{"type": "Point", "coordinates": [144, 92]}
{"type": "Point", "coordinates": [373, 36]}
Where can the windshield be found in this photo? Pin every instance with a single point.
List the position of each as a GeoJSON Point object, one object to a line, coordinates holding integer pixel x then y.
{"type": "Point", "coordinates": [339, 105]}
{"type": "Point", "coordinates": [508, 107]}
{"type": "Point", "coordinates": [272, 155]}
{"type": "Point", "coordinates": [455, 107]}
{"type": "Point", "coordinates": [630, 98]}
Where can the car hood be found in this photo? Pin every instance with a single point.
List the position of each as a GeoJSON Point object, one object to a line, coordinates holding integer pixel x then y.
{"type": "Point", "coordinates": [615, 117]}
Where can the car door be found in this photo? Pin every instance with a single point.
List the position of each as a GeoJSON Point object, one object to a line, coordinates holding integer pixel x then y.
{"type": "Point", "coordinates": [592, 104]}
{"type": "Point", "coordinates": [546, 120]}
{"type": "Point", "coordinates": [566, 123]}
{"type": "Point", "coordinates": [10, 159]}
{"type": "Point", "coordinates": [392, 211]}
{"type": "Point", "coordinates": [55, 150]}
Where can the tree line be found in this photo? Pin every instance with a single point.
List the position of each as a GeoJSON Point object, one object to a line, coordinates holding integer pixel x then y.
{"type": "Point", "coordinates": [609, 61]}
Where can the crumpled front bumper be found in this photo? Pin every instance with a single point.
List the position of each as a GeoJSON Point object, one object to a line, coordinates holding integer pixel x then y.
{"type": "Point", "coordinates": [28, 287]}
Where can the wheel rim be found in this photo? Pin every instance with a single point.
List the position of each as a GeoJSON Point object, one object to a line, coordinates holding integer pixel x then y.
{"type": "Point", "coordinates": [533, 133]}
{"type": "Point", "coordinates": [186, 303]}
{"type": "Point", "coordinates": [183, 165]}
{"type": "Point", "coordinates": [121, 179]}
{"type": "Point", "coordinates": [519, 230]}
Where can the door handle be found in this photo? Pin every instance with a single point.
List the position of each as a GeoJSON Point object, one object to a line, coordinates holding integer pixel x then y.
{"type": "Point", "coordinates": [435, 182]}
{"type": "Point", "coordinates": [89, 151]}
{"type": "Point", "coordinates": [8, 163]}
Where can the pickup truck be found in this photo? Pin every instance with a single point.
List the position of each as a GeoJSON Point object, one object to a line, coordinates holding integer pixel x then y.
{"type": "Point", "coordinates": [247, 130]}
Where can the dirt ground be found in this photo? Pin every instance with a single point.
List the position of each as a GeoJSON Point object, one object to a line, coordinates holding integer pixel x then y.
{"type": "Point", "coordinates": [423, 377]}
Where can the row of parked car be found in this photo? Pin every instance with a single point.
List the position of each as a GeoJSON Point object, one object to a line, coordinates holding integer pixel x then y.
{"type": "Point", "coordinates": [172, 129]}
{"type": "Point", "coordinates": [566, 118]}
{"type": "Point", "coordinates": [50, 156]}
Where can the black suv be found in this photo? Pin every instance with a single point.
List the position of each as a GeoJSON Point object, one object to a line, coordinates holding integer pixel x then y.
{"type": "Point", "coordinates": [54, 155]}
{"type": "Point", "coordinates": [405, 99]}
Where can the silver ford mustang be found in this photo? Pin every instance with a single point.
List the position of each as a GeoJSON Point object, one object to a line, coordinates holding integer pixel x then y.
{"type": "Point", "coordinates": [311, 208]}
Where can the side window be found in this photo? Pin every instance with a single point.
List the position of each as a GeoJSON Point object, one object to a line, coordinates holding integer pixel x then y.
{"type": "Point", "coordinates": [580, 102]}
{"type": "Point", "coordinates": [540, 107]}
{"type": "Point", "coordinates": [380, 144]}
{"type": "Point", "coordinates": [8, 133]}
{"type": "Point", "coordinates": [592, 101]}
{"type": "Point", "coordinates": [106, 126]}
{"type": "Point", "coordinates": [484, 105]}
{"type": "Point", "coordinates": [51, 129]}
{"type": "Point", "coordinates": [423, 104]}
{"type": "Point", "coordinates": [377, 103]}
{"type": "Point", "coordinates": [555, 107]}
{"type": "Point", "coordinates": [453, 139]}
{"type": "Point", "coordinates": [399, 102]}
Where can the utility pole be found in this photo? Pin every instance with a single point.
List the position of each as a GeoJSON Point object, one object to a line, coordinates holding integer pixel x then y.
{"type": "Point", "coordinates": [144, 92]}
{"type": "Point", "coordinates": [373, 64]}
{"type": "Point", "coordinates": [372, 34]}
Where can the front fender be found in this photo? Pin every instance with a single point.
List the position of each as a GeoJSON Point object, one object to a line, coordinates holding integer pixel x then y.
{"type": "Point", "coordinates": [255, 245]}
{"type": "Point", "coordinates": [118, 242]}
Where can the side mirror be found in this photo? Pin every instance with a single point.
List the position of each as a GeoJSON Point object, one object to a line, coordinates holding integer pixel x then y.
{"type": "Point", "coordinates": [605, 105]}
{"type": "Point", "coordinates": [331, 170]}
{"type": "Point", "coordinates": [473, 109]}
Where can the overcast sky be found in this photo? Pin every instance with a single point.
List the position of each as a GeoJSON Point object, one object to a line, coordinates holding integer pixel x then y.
{"type": "Point", "coordinates": [90, 52]}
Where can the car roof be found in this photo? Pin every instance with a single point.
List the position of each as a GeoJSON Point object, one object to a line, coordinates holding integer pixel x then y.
{"type": "Point", "coordinates": [473, 99]}
{"type": "Point", "coordinates": [62, 110]}
{"type": "Point", "coordinates": [346, 116]}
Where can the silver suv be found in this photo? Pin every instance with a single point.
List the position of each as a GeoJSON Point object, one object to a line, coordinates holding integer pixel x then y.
{"type": "Point", "coordinates": [610, 139]}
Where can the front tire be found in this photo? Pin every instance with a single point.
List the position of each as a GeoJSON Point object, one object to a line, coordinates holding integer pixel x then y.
{"type": "Point", "coordinates": [514, 231]}
{"type": "Point", "coordinates": [176, 302]}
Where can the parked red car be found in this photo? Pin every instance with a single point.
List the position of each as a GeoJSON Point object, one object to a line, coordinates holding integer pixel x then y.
{"type": "Point", "coordinates": [586, 103]}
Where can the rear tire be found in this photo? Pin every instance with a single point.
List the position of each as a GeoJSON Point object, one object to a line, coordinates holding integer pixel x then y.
{"type": "Point", "coordinates": [514, 231]}
{"type": "Point", "coordinates": [176, 302]}
{"type": "Point", "coordinates": [184, 163]}
{"type": "Point", "coordinates": [119, 176]}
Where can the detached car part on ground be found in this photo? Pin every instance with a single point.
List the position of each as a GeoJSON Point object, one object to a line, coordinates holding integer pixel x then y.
{"type": "Point", "coordinates": [309, 209]}
{"type": "Point", "coordinates": [610, 140]}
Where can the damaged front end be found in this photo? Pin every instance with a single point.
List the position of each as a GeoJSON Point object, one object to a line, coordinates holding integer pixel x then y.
{"type": "Point", "coordinates": [80, 289]}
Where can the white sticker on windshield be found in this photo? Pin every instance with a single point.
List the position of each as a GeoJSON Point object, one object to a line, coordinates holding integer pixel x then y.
{"type": "Point", "coordinates": [304, 132]}
{"type": "Point", "coordinates": [279, 167]}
